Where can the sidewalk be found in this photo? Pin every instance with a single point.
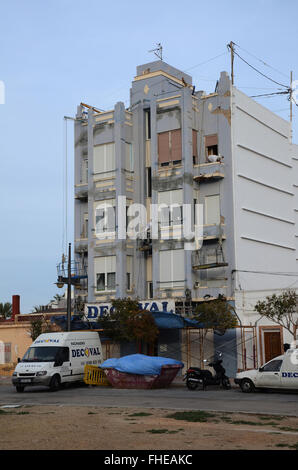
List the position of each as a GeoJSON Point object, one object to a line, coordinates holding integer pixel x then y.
{"type": "Point", "coordinates": [5, 379]}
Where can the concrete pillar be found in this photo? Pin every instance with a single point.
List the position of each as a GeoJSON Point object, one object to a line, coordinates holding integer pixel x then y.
{"type": "Point", "coordinates": [187, 160]}
{"type": "Point", "coordinates": [91, 228]}
{"type": "Point", "coordinates": [139, 263]}
{"type": "Point", "coordinates": [121, 269]}
{"type": "Point", "coordinates": [154, 199]}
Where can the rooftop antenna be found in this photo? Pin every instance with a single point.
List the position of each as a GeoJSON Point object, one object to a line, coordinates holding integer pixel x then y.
{"type": "Point", "coordinates": [157, 51]}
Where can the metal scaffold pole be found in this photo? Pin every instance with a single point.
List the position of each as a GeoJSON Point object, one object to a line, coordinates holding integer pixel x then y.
{"type": "Point", "coordinates": [69, 289]}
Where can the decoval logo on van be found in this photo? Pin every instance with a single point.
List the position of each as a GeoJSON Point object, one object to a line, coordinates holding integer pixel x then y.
{"type": "Point", "coordinates": [85, 352]}
{"type": "Point", "coordinates": [50, 340]}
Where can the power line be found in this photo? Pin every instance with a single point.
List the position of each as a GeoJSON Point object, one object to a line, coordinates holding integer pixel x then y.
{"type": "Point", "coordinates": [205, 62]}
{"type": "Point", "coordinates": [262, 61]}
{"type": "Point", "coordinates": [258, 71]}
{"type": "Point", "coordinates": [270, 94]}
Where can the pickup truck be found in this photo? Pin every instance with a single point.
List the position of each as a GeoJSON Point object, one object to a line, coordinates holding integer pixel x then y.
{"type": "Point", "coordinates": [279, 373]}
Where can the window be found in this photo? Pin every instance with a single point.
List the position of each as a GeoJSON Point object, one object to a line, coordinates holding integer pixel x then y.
{"type": "Point", "coordinates": [105, 273]}
{"type": "Point", "coordinates": [129, 157]}
{"type": "Point", "coordinates": [129, 272]}
{"type": "Point", "coordinates": [272, 366]}
{"type": "Point", "coordinates": [111, 281]}
{"type": "Point", "coordinates": [212, 210]}
{"type": "Point", "coordinates": [171, 264]}
{"type": "Point", "coordinates": [195, 146]}
{"type": "Point", "coordinates": [147, 124]}
{"type": "Point", "coordinates": [194, 211]}
{"type": "Point", "coordinates": [173, 213]}
{"type": "Point", "coordinates": [7, 352]}
{"type": "Point", "coordinates": [211, 145]}
{"type": "Point", "coordinates": [150, 289]}
{"type": "Point", "coordinates": [169, 147]}
{"type": "Point", "coordinates": [105, 216]}
{"type": "Point", "coordinates": [148, 182]}
{"type": "Point", "coordinates": [100, 281]}
{"type": "Point", "coordinates": [62, 355]}
{"type": "Point", "coordinates": [104, 158]}
{"type": "Point", "coordinates": [128, 281]}
{"type": "Point", "coordinates": [46, 354]}
{"type": "Point", "coordinates": [84, 233]}
{"type": "Point", "coordinates": [105, 281]}
{"type": "Point", "coordinates": [84, 170]}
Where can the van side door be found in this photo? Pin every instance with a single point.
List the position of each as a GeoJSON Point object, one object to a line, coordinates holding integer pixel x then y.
{"type": "Point", "coordinates": [270, 374]}
{"type": "Point", "coordinates": [64, 360]}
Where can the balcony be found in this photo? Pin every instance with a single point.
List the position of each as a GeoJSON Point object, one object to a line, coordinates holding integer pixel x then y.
{"type": "Point", "coordinates": [213, 233]}
{"type": "Point", "coordinates": [144, 242]}
{"type": "Point", "coordinates": [211, 171]}
{"type": "Point", "coordinates": [81, 192]}
{"type": "Point", "coordinates": [209, 259]}
{"type": "Point", "coordinates": [81, 244]}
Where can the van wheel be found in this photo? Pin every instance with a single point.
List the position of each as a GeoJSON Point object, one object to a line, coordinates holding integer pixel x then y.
{"type": "Point", "coordinates": [19, 388]}
{"type": "Point", "coordinates": [247, 386]}
{"type": "Point", "coordinates": [55, 383]}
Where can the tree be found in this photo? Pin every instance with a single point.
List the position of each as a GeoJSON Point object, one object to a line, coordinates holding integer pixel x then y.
{"type": "Point", "coordinates": [5, 310]}
{"type": "Point", "coordinates": [38, 326]}
{"type": "Point", "coordinates": [57, 298]}
{"type": "Point", "coordinates": [281, 309]}
{"type": "Point", "coordinates": [38, 309]}
{"type": "Point", "coordinates": [216, 314]}
{"type": "Point", "coordinates": [127, 322]}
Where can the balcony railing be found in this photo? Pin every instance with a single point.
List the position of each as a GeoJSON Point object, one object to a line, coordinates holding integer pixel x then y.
{"type": "Point", "coordinates": [209, 259]}
{"type": "Point", "coordinates": [213, 232]}
{"type": "Point", "coordinates": [209, 171]}
{"type": "Point", "coordinates": [81, 191]}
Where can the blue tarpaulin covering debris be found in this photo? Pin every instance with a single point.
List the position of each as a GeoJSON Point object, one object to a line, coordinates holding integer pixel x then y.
{"type": "Point", "coordinates": [139, 364]}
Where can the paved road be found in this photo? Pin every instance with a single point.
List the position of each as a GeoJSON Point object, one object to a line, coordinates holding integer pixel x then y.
{"type": "Point", "coordinates": [175, 397]}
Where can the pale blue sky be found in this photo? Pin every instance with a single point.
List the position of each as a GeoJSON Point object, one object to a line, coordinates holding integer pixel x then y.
{"type": "Point", "coordinates": [56, 53]}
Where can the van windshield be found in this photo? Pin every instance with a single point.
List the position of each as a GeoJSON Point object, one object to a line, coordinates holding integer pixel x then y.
{"type": "Point", "coordinates": [43, 354]}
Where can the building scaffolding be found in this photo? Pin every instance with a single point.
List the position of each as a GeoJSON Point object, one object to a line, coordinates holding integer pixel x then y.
{"type": "Point", "coordinates": [199, 344]}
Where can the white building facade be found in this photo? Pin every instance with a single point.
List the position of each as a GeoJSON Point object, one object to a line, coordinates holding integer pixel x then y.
{"type": "Point", "coordinates": [224, 154]}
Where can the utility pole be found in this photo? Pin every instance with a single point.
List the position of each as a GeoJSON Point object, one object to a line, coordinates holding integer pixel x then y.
{"type": "Point", "coordinates": [68, 280]}
{"type": "Point", "coordinates": [231, 47]}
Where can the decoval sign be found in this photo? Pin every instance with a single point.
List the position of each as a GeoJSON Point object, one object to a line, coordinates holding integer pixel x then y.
{"type": "Point", "coordinates": [95, 311]}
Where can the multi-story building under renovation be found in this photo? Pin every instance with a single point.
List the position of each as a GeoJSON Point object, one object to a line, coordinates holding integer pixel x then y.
{"type": "Point", "coordinates": [221, 152]}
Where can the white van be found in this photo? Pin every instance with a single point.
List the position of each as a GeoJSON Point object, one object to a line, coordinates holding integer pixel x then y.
{"type": "Point", "coordinates": [279, 373]}
{"type": "Point", "coordinates": [57, 358]}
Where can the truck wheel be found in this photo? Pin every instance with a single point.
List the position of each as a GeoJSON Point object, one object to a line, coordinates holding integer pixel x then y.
{"type": "Point", "coordinates": [55, 383]}
{"type": "Point", "coordinates": [247, 386]}
{"type": "Point", "coordinates": [19, 388]}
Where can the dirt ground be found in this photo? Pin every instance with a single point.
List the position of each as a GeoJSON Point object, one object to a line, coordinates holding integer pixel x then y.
{"type": "Point", "coordinates": [84, 428]}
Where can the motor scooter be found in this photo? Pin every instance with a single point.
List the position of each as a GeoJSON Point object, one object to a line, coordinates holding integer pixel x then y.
{"type": "Point", "coordinates": [196, 377]}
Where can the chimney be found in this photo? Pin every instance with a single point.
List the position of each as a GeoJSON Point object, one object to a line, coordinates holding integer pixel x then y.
{"type": "Point", "coordinates": [15, 306]}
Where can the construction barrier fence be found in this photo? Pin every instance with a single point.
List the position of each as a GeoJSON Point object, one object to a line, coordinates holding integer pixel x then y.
{"type": "Point", "coordinates": [93, 375]}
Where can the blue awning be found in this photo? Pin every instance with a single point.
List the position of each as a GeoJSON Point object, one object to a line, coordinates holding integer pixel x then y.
{"type": "Point", "coordinates": [163, 320]}
{"type": "Point", "coordinates": [167, 320]}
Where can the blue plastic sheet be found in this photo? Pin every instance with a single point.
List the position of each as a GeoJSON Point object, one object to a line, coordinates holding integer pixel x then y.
{"type": "Point", "coordinates": [139, 364]}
